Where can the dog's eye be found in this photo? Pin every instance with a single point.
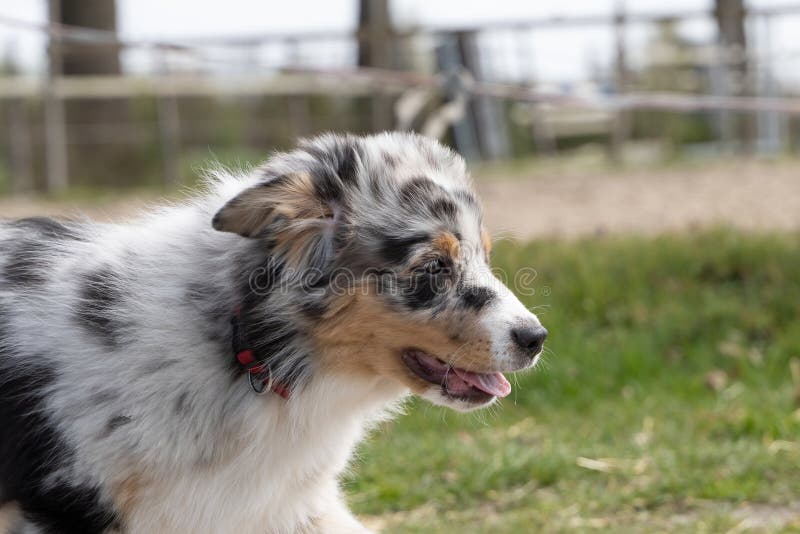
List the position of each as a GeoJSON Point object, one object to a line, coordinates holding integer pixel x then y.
{"type": "Point", "coordinates": [433, 267]}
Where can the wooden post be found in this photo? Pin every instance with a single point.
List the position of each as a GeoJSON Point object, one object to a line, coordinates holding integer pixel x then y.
{"type": "Point", "coordinates": [730, 15]}
{"type": "Point", "coordinates": [720, 87]}
{"type": "Point", "coordinates": [20, 151]}
{"type": "Point", "coordinates": [620, 121]}
{"type": "Point", "coordinates": [449, 61]}
{"type": "Point", "coordinates": [488, 114]}
{"type": "Point", "coordinates": [771, 125]}
{"type": "Point", "coordinates": [543, 139]}
{"type": "Point", "coordinates": [299, 108]}
{"type": "Point", "coordinates": [169, 131]}
{"type": "Point", "coordinates": [375, 49]}
{"type": "Point", "coordinates": [55, 127]}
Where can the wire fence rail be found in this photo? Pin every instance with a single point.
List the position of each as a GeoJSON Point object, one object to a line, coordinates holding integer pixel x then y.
{"type": "Point", "coordinates": [365, 81]}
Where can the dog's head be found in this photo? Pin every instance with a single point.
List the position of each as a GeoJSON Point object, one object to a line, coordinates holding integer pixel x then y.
{"type": "Point", "coordinates": [390, 265]}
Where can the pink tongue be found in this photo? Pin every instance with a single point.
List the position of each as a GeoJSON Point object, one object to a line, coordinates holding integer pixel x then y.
{"type": "Point", "coordinates": [493, 384]}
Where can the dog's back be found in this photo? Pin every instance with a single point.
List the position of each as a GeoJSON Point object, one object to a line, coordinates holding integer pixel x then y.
{"type": "Point", "coordinates": [91, 318]}
{"type": "Point", "coordinates": [34, 252]}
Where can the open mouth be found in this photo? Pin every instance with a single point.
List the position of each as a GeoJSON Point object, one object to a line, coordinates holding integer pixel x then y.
{"type": "Point", "coordinates": [456, 382]}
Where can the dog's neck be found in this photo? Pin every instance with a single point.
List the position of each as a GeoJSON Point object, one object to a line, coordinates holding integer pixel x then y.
{"type": "Point", "coordinates": [326, 406]}
{"type": "Point", "coordinates": [322, 400]}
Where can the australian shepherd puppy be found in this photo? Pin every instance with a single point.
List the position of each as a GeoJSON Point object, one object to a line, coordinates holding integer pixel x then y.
{"type": "Point", "coordinates": [211, 366]}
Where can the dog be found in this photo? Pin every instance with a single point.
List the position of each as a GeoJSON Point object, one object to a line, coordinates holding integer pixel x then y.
{"type": "Point", "coordinates": [210, 366]}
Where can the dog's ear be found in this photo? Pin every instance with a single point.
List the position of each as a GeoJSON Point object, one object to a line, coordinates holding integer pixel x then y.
{"type": "Point", "coordinates": [290, 199]}
{"type": "Point", "coordinates": [293, 210]}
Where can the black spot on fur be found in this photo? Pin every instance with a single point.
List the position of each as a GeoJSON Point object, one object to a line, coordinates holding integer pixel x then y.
{"type": "Point", "coordinates": [347, 168]}
{"type": "Point", "coordinates": [476, 297]}
{"type": "Point", "coordinates": [390, 160]}
{"type": "Point", "coordinates": [49, 228]}
{"type": "Point", "coordinates": [396, 249]}
{"type": "Point", "coordinates": [27, 263]}
{"type": "Point", "coordinates": [31, 449]}
{"type": "Point", "coordinates": [158, 365]}
{"type": "Point", "coordinates": [30, 255]}
{"type": "Point", "coordinates": [182, 403]}
{"type": "Point", "coordinates": [100, 296]}
{"type": "Point", "coordinates": [328, 185]}
{"type": "Point", "coordinates": [336, 169]}
{"type": "Point", "coordinates": [417, 189]}
{"type": "Point", "coordinates": [115, 423]}
{"type": "Point", "coordinates": [444, 209]}
{"type": "Point", "coordinates": [467, 197]}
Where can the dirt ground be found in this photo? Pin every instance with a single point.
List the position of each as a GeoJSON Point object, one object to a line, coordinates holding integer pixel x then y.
{"type": "Point", "coordinates": [751, 195]}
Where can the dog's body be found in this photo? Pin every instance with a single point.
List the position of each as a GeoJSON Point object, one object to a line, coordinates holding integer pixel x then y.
{"type": "Point", "coordinates": [122, 404]}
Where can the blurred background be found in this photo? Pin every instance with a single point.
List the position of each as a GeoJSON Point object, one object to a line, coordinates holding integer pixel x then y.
{"type": "Point", "coordinates": [641, 156]}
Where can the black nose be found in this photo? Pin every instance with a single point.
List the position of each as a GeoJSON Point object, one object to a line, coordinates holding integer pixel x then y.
{"type": "Point", "coordinates": [529, 338]}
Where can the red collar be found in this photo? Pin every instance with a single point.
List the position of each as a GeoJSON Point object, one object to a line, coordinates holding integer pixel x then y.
{"type": "Point", "coordinates": [260, 375]}
{"type": "Point", "coordinates": [258, 372]}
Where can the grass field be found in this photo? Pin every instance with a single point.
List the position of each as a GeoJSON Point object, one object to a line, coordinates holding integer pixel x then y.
{"type": "Point", "coordinates": [667, 401]}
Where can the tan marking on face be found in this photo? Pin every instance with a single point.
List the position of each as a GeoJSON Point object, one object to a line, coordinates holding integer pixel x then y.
{"type": "Point", "coordinates": [448, 244]}
{"type": "Point", "coordinates": [486, 239]}
{"type": "Point", "coordinates": [360, 335]}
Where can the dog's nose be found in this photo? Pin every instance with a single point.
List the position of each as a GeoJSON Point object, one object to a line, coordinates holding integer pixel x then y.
{"type": "Point", "coordinates": [529, 338]}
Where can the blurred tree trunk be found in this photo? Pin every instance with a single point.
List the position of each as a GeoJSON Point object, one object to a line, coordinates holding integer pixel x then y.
{"type": "Point", "coordinates": [95, 126]}
{"type": "Point", "coordinates": [731, 18]}
{"type": "Point", "coordinates": [375, 49]}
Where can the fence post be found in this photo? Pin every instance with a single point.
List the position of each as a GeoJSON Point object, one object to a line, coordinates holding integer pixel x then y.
{"type": "Point", "coordinates": [487, 112]}
{"type": "Point", "coordinates": [732, 39]}
{"type": "Point", "coordinates": [55, 127]}
{"type": "Point", "coordinates": [543, 140]}
{"type": "Point", "coordinates": [376, 49]}
{"type": "Point", "coordinates": [620, 121]}
{"type": "Point", "coordinates": [449, 61]}
{"type": "Point", "coordinates": [20, 150]}
{"type": "Point", "coordinates": [169, 129]}
{"type": "Point", "coordinates": [771, 125]}
{"type": "Point", "coordinates": [299, 105]}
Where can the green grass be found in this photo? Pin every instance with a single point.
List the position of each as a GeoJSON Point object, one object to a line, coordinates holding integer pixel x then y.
{"type": "Point", "coordinates": [665, 402]}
